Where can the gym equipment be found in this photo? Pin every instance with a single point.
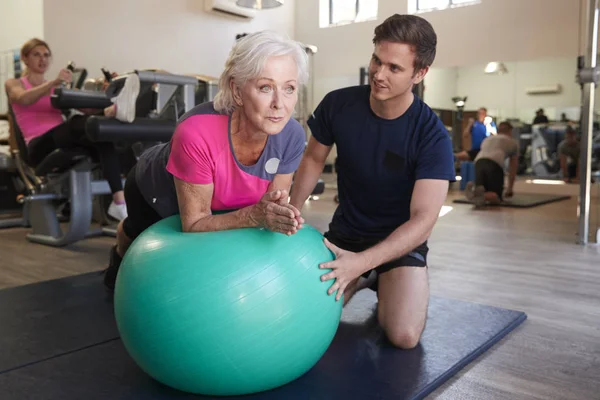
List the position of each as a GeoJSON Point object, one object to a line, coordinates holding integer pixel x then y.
{"type": "Point", "coordinates": [65, 175]}
{"type": "Point", "coordinates": [524, 200]}
{"type": "Point", "coordinates": [545, 161]}
{"type": "Point", "coordinates": [78, 76]}
{"type": "Point", "coordinates": [10, 186]}
{"type": "Point", "coordinates": [587, 77]}
{"type": "Point", "coordinates": [225, 313]}
{"type": "Point", "coordinates": [61, 342]}
{"type": "Point", "coordinates": [12, 214]}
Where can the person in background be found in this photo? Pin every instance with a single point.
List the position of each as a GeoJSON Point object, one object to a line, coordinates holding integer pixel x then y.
{"type": "Point", "coordinates": [568, 152]}
{"type": "Point", "coordinates": [476, 131]}
{"type": "Point", "coordinates": [540, 117]}
{"type": "Point", "coordinates": [488, 187]}
{"type": "Point", "coordinates": [44, 128]}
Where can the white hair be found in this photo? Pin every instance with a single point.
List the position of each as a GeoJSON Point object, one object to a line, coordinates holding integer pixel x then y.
{"type": "Point", "coordinates": [248, 58]}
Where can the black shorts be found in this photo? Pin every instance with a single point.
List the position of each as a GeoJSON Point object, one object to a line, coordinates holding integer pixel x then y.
{"type": "Point", "coordinates": [473, 153]}
{"type": "Point", "coordinates": [415, 258]}
{"type": "Point", "coordinates": [572, 170]}
{"type": "Point", "coordinates": [140, 215]}
{"type": "Point", "coordinates": [489, 175]}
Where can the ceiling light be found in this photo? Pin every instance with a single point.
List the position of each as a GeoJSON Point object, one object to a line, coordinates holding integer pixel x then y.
{"type": "Point", "coordinates": [459, 101]}
{"type": "Point", "coordinates": [496, 67]}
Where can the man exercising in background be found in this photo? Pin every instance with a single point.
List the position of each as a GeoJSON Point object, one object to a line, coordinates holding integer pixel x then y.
{"type": "Point", "coordinates": [476, 131]}
{"type": "Point", "coordinates": [394, 163]}
{"type": "Point", "coordinates": [488, 187]}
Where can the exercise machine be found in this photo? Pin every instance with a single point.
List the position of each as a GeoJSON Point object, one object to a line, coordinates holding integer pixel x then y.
{"type": "Point", "coordinates": [544, 157]}
{"type": "Point", "coordinates": [545, 161]}
{"type": "Point", "coordinates": [11, 188]}
{"type": "Point", "coordinates": [66, 175]}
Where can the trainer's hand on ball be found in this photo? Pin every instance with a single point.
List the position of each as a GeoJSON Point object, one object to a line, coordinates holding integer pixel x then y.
{"type": "Point", "coordinates": [274, 213]}
{"type": "Point", "coordinates": [346, 267]}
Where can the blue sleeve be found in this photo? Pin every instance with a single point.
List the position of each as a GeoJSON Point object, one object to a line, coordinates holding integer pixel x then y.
{"type": "Point", "coordinates": [294, 148]}
{"type": "Point", "coordinates": [320, 121]}
{"type": "Point", "coordinates": [435, 158]}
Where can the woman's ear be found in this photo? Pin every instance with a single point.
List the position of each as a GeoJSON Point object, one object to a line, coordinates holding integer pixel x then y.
{"type": "Point", "coordinates": [236, 93]}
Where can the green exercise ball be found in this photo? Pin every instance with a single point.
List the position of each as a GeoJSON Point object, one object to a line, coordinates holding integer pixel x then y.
{"type": "Point", "coordinates": [225, 313]}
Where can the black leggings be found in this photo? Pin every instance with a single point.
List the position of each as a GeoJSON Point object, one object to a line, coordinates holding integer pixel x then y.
{"type": "Point", "coordinates": [71, 134]}
{"type": "Point", "coordinates": [140, 215]}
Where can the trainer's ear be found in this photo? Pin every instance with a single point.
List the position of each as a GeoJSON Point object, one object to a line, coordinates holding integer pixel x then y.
{"type": "Point", "coordinates": [420, 75]}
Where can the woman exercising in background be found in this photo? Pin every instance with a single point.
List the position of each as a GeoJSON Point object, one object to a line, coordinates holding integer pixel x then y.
{"type": "Point", "coordinates": [238, 153]}
{"type": "Point", "coordinates": [44, 128]}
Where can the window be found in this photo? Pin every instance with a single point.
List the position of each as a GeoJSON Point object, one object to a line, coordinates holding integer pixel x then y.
{"type": "Point", "coordinates": [342, 12]}
{"type": "Point", "coordinates": [432, 5]}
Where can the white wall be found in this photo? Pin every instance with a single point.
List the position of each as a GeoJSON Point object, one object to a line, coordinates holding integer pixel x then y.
{"type": "Point", "coordinates": [175, 35]}
{"type": "Point", "coordinates": [505, 95]}
{"type": "Point", "coordinates": [20, 20]}
{"type": "Point", "coordinates": [505, 30]}
{"type": "Point", "coordinates": [440, 87]}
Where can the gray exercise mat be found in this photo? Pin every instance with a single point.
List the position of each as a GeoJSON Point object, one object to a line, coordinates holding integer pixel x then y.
{"type": "Point", "coordinates": [51, 318]}
{"type": "Point", "coordinates": [360, 363]}
{"type": "Point", "coordinates": [524, 200]}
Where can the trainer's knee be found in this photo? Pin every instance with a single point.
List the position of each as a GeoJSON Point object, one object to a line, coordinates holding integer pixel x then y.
{"type": "Point", "coordinates": [404, 337]}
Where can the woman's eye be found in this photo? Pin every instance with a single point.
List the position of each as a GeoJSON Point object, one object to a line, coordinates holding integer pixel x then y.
{"type": "Point", "coordinates": [290, 90]}
{"type": "Point", "coordinates": [265, 89]}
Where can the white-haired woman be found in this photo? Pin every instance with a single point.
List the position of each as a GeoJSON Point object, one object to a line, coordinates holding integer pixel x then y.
{"type": "Point", "coordinates": [235, 154]}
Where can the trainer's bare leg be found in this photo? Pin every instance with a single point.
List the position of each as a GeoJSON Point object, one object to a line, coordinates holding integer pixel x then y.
{"type": "Point", "coordinates": [403, 294]}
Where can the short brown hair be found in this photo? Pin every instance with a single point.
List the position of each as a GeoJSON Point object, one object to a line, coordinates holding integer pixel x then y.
{"type": "Point", "coordinates": [412, 30]}
{"type": "Point", "coordinates": [505, 127]}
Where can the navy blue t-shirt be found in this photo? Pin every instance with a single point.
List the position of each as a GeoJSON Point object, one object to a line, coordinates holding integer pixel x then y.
{"type": "Point", "coordinates": [379, 160]}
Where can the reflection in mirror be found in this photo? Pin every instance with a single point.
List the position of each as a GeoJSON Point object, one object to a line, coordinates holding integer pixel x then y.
{"type": "Point", "coordinates": [540, 98]}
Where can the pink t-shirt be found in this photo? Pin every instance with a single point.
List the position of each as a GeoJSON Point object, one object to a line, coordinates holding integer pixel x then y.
{"type": "Point", "coordinates": [201, 153]}
{"type": "Point", "coordinates": [37, 118]}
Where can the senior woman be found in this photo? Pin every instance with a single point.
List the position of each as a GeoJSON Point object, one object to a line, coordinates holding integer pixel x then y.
{"type": "Point", "coordinates": [235, 154]}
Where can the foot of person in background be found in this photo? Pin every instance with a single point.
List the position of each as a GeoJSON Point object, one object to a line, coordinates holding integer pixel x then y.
{"type": "Point", "coordinates": [117, 208]}
{"type": "Point", "coordinates": [479, 197]}
{"type": "Point", "coordinates": [123, 107]}
{"type": "Point", "coordinates": [117, 211]}
{"type": "Point", "coordinates": [491, 198]}
{"type": "Point", "coordinates": [475, 194]}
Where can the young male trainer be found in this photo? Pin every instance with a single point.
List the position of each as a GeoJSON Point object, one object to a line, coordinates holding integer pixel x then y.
{"type": "Point", "coordinates": [394, 163]}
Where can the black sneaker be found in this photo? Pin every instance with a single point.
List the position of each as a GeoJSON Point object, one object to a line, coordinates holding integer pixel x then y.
{"type": "Point", "coordinates": [110, 274]}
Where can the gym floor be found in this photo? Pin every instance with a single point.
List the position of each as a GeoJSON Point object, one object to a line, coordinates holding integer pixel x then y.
{"type": "Point", "coordinates": [521, 259]}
